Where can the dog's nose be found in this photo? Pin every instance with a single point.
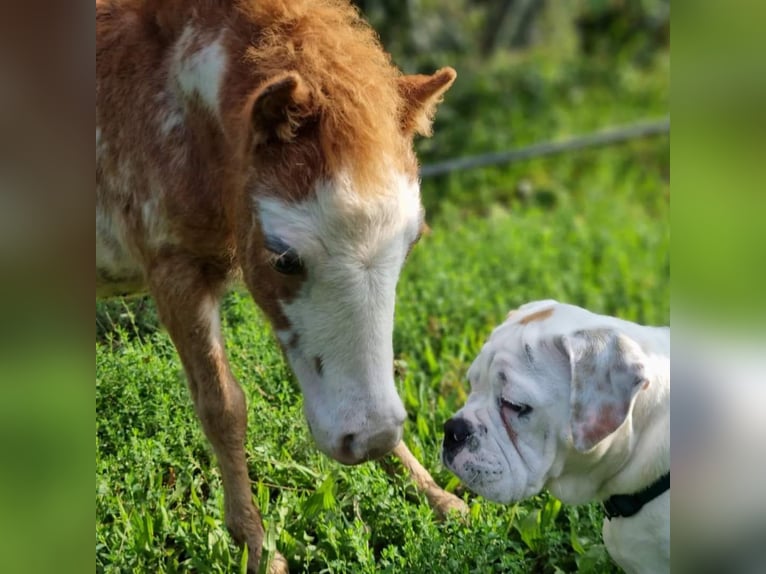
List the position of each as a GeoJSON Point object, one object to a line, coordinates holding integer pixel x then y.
{"type": "Point", "coordinates": [456, 431]}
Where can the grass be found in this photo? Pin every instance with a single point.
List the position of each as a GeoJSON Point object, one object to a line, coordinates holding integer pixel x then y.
{"type": "Point", "coordinates": [590, 228]}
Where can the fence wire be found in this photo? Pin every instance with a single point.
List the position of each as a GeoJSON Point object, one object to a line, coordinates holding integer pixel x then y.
{"type": "Point", "coordinates": [607, 137]}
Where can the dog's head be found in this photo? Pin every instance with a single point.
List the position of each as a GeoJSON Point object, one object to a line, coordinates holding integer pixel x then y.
{"type": "Point", "coordinates": [550, 389]}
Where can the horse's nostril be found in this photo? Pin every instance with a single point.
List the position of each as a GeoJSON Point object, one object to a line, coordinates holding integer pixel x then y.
{"type": "Point", "coordinates": [347, 444]}
{"type": "Point", "coordinates": [318, 365]}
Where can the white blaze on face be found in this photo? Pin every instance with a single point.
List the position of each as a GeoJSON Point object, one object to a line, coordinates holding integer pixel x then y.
{"type": "Point", "coordinates": [353, 248]}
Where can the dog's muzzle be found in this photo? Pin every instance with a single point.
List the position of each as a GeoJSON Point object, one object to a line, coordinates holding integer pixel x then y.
{"type": "Point", "coordinates": [457, 431]}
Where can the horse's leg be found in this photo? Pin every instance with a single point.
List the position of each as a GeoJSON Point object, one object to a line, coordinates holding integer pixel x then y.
{"type": "Point", "coordinates": [441, 501]}
{"type": "Point", "coordinates": [187, 303]}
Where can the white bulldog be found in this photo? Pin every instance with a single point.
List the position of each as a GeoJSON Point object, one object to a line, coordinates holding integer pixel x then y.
{"type": "Point", "coordinates": [578, 403]}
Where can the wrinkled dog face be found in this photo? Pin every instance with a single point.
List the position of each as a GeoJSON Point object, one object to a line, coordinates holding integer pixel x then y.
{"type": "Point", "coordinates": [503, 441]}
{"type": "Point", "coordinates": [551, 380]}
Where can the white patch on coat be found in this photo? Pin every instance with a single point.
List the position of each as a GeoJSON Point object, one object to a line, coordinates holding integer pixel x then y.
{"type": "Point", "coordinates": [353, 247]}
{"type": "Point", "coordinates": [156, 227]}
{"type": "Point", "coordinates": [200, 72]}
{"type": "Point", "coordinates": [102, 147]}
{"type": "Point", "coordinates": [210, 314]}
{"type": "Point", "coordinates": [118, 181]}
{"type": "Point", "coordinates": [170, 121]}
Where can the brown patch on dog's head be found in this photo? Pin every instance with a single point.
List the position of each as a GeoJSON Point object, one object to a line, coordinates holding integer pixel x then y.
{"type": "Point", "coordinates": [536, 316]}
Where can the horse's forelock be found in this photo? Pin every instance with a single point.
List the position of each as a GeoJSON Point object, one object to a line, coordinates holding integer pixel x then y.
{"type": "Point", "coordinates": [353, 82]}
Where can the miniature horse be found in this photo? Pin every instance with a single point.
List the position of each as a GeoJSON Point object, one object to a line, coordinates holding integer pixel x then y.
{"type": "Point", "coordinates": [270, 140]}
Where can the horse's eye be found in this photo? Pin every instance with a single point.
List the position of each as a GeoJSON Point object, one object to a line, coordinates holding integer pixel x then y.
{"type": "Point", "coordinates": [283, 258]}
{"type": "Point", "coordinates": [288, 262]}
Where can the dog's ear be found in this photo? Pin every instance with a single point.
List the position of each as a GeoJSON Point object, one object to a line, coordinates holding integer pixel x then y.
{"type": "Point", "coordinates": [608, 369]}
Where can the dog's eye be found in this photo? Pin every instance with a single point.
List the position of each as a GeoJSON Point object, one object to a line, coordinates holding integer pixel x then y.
{"type": "Point", "coordinates": [518, 408]}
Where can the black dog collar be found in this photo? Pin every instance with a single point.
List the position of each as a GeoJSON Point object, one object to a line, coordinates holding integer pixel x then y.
{"type": "Point", "coordinates": [630, 504]}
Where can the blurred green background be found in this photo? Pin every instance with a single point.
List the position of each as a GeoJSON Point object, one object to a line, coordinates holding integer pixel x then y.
{"type": "Point", "coordinates": [589, 227]}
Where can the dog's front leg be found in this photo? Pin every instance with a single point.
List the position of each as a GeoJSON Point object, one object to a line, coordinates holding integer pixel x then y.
{"type": "Point", "coordinates": [187, 302]}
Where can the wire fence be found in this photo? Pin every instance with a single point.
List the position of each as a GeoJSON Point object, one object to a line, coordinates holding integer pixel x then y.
{"type": "Point", "coordinates": [603, 138]}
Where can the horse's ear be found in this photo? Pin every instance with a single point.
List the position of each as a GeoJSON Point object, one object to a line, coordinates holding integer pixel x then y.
{"type": "Point", "coordinates": [420, 95]}
{"type": "Point", "coordinates": [280, 106]}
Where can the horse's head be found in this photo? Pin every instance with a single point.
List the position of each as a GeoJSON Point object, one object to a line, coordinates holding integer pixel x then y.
{"type": "Point", "coordinates": [333, 210]}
